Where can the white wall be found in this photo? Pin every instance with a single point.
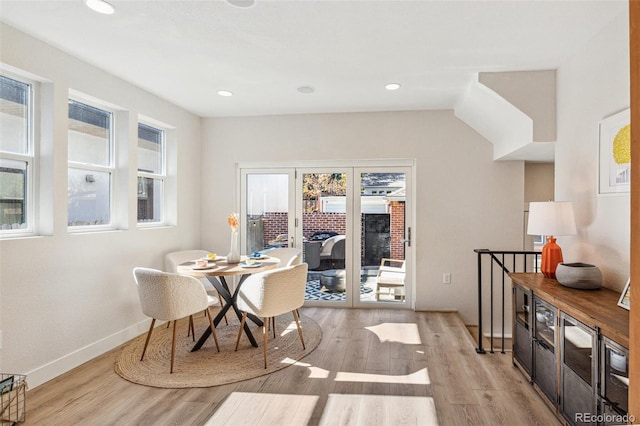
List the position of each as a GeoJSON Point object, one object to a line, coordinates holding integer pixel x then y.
{"type": "Point", "coordinates": [592, 85]}
{"type": "Point", "coordinates": [67, 298]}
{"type": "Point", "coordinates": [465, 200]}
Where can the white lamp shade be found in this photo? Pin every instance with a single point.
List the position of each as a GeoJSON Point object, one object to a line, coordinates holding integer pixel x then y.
{"type": "Point", "coordinates": [551, 218]}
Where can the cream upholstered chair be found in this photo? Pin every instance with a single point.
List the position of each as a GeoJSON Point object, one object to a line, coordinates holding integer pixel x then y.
{"type": "Point", "coordinates": [271, 293]}
{"type": "Point", "coordinates": [391, 277]}
{"type": "Point", "coordinates": [168, 297]}
{"type": "Point", "coordinates": [287, 256]}
{"type": "Point", "coordinates": [174, 259]}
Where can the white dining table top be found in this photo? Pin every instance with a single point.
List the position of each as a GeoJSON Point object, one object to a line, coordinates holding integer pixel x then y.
{"type": "Point", "coordinates": [222, 268]}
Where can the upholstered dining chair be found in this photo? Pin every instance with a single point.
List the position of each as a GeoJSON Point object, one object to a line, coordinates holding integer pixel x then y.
{"type": "Point", "coordinates": [168, 297]}
{"type": "Point", "coordinates": [288, 256]}
{"type": "Point", "coordinates": [271, 293]}
{"type": "Point", "coordinates": [171, 262]}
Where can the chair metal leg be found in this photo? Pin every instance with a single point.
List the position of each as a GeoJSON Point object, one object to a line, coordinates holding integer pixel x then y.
{"type": "Point", "coordinates": [213, 329]}
{"type": "Point", "coordinates": [153, 322]}
{"type": "Point", "coordinates": [264, 339]}
{"type": "Point", "coordinates": [242, 321]}
{"type": "Point", "coordinates": [222, 306]}
{"type": "Point", "coordinates": [173, 346]}
{"type": "Point", "coordinates": [295, 316]}
{"type": "Point", "coordinates": [191, 330]}
{"type": "Point", "coordinates": [273, 320]}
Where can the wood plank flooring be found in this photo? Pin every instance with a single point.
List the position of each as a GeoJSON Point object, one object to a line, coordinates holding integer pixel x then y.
{"type": "Point", "coordinates": [372, 367]}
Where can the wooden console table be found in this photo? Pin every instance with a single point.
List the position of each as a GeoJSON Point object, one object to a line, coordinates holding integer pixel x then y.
{"type": "Point", "coordinates": [594, 308]}
{"type": "Point", "coordinates": [573, 347]}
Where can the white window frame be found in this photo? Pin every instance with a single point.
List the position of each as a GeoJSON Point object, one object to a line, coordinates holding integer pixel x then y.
{"type": "Point", "coordinates": [161, 176]}
{"type": "Point", "coordinates": [111, 168]}
{"type": "Point", "coordinates": [29, 158]}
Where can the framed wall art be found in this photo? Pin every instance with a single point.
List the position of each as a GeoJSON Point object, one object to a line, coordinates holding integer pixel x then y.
{"type": "Point", "coordinates": [625, 297]}
{"type": "Point", "coordinates": [615, 153]}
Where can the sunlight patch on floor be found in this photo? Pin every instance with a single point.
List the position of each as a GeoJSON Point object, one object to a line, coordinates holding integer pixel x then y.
{"type": "Point", "coordinates": [361, 409]}
{"type": "Point", "coordinates": [264, 408]}
{"type": "Point", "coordinates": [420, 377]}
{"type": "Point", "coordinates": [314, 372]}
{"type": "Point", "coordinates": [406, 333]}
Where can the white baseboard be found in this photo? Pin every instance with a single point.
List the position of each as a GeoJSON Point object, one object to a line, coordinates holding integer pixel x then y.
{"type": "Point", "coordinates": [78, 357]}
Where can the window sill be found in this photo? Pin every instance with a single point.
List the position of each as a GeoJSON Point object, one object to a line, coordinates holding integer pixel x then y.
{"type": "Point", "coordinates": [25, 236]}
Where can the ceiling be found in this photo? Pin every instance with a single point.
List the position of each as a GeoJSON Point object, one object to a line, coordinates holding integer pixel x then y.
{"type": "Point", "coordinates": [185, 51]}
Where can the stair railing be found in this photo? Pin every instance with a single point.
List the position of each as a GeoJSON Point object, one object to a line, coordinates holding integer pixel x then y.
{"type": "Point", "coordinates": [505, 261]}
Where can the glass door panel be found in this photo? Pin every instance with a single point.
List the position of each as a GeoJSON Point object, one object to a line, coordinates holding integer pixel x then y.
{"type": "Point", "coordinates": [266, 204]}
{"type": "Point", "coordinates": [382, 239]}
{"type": "Point", "coordinates": [522, 306]}
{"type": "Point", "coordinates": [578, 348]}
{"type": "Point", "coordinates": [545, 325]}
{"type": "Point", "coordinates": [324, 212]}
{"type": "Point", "coordinates": [346, 220]}
{"type": "Point", "coordinates": [615, 375]}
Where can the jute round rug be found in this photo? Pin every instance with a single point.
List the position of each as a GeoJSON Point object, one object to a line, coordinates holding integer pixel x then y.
{"type": "Point", "coordinates": [207, 367]}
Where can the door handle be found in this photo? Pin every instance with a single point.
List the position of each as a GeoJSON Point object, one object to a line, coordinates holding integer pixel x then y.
{"type": "Point", "coordinates": [407, 240]}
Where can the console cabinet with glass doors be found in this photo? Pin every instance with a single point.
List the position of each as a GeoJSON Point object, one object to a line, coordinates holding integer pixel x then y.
{"type": "Point", "coordinates": [522, 326]}
{"type": "Point", "coordinates": [545, 365]}
{"type": "Point", "coordinates": [613, 398]}
{"type": "Point", "coordinates": [578, 370]}
{"type": "Point", "coordinates": [572, 345]}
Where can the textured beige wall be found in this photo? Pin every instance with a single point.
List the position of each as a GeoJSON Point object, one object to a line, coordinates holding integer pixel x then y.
{"type": "Point", "coordinates": [464, 200]}
{"type": "Point", "coordinates": [533, 93]}
{"type": "Point", "coordinates": [538, 182]}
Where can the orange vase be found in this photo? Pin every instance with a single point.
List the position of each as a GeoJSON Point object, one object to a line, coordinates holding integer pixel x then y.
{"type": "Point", "coordinates": [551, 256]}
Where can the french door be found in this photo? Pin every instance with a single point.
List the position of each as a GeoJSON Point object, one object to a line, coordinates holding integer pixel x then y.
{"type": "Point", "coordinates": [353, 225]}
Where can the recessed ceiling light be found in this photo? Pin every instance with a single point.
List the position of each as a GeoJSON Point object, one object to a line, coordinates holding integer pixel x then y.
{"type": "Point", "coordinates": [241, 3]}
{"type": "Point", "coordinates": [100, 6]}
{"type": "Point", "coordinates": [224, 93]}
{"type": "Point", "coordinates": [392, 86]}
{"type": "Point", "coordinates": [306, 89]}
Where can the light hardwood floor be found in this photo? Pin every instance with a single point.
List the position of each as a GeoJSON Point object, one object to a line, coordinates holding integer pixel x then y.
{"type": "Point", "coordinates": [372, 367]}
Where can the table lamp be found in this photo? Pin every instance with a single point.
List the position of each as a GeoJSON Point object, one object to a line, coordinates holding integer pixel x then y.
{"type": "Point", "coordinates": [551, 218]}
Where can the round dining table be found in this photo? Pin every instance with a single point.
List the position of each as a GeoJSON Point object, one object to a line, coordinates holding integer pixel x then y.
{"type": "Point", "coordinates": [216, 272]}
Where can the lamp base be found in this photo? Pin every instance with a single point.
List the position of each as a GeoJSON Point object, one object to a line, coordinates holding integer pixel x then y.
{"type": "Point", "coordinates": [551, 256]}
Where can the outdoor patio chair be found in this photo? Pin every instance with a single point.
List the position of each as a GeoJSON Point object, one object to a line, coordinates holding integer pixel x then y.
{"type": "Point", "coordinates": [333, 252]}
{"type": "Point", "coordinates": [391, 277]}
{"type": "Point", "coordinates": [312, 254]}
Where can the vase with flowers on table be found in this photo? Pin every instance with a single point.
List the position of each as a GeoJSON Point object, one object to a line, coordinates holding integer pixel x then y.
{"type": "Point", "coordinates": [234, 252]}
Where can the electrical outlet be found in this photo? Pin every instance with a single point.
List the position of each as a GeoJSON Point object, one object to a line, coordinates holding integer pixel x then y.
{"type": "Point", "coordinates": [446, 278]}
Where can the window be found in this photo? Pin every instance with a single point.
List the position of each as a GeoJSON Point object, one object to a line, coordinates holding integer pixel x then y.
{"type": "Point", "coordinates": [91, 168]}
{"type": "Point", "coordinates": [151, 174]}
{"type": "Point", "coordinates": [16, 156]}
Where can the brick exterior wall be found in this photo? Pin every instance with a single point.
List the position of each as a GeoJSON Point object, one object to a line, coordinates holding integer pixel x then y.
{"type": "Point", "coordinates": [396, 209]}
{"type": "Point", "coordinates": [275, 223]}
